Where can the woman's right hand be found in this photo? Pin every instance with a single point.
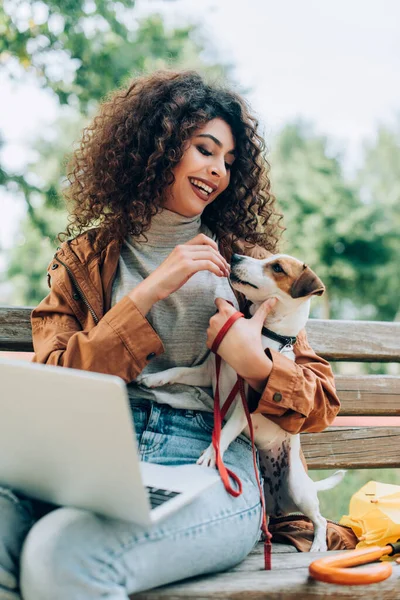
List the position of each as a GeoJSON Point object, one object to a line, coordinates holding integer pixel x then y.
{"type": "Point", "coordinates": [199, 254]}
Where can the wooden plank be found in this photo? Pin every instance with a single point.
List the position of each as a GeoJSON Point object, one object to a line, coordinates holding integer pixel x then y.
{"type": "Point", "coordinates": [355, 340]}
{"type": "Point", "coordinates": [15, 329]}
{"type": "Point", "coordinates": [288, 579]}
{"type": "Point", "coordinates": [369, 395]}
{"type": "Point", "coordinates": [352, 447]}
{"type": "Point", "coordinates": [334, 340]}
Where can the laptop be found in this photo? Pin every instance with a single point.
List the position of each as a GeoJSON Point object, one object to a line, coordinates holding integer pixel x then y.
{"type": "Point", "coordinates": [67, 437]}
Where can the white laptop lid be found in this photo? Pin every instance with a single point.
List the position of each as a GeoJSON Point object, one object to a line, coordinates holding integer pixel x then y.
{"type": "Point", "coordinates": [67, 437]}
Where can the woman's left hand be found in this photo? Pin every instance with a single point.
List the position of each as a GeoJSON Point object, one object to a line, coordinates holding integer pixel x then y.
{"type": "Point", "coordinates": [241, 347]}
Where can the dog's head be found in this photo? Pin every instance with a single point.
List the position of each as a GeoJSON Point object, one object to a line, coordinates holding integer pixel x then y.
{"type": "Point", "coordinates": [278, 276]}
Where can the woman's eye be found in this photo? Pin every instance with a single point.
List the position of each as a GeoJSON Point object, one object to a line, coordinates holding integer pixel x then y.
{"type": "Point", "coordinates": [277, 268]}
{"type": "Point", "coordinates": [206, 152]}
{"type": "Point", "coordinates": [202, 150]}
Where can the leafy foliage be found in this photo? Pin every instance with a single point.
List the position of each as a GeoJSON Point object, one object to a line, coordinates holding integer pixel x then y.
{"type": "Point", "coordinates": [346, 240]}
{"type": "Point", "coordinates": [379, 184]}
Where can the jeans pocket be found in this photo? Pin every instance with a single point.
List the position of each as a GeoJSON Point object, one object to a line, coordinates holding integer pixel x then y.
{"type": "Point", "coordinates": [244, 440]}
{"type": "Point", "coordinates": [205, 421]}
{"type": "Point", "coordinates": [140, 415]}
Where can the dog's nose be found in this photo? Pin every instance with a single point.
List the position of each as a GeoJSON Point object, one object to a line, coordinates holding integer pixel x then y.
{"type": "Point", "coordinates": [235, 258]}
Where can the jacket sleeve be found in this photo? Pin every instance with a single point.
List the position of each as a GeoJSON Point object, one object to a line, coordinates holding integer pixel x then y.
{"type": "Point", "coordinates": [301, 395]}
{"type": "Point", "coordinates": [122, 343]}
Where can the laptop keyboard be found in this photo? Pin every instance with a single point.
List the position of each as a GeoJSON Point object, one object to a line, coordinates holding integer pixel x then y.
{"type": "Point", "coordinates": [158, 496]}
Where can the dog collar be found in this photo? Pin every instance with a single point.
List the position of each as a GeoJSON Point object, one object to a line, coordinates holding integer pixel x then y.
{"type": "Point", "coordinates": [286, 340]}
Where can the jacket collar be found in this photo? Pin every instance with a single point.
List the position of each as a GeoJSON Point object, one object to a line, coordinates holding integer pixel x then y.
{"type": "Point", "coordinates": [93, 271]}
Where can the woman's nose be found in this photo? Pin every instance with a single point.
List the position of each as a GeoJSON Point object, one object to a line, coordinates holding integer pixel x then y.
{"type": "Point", "coordinates": [219, 169]}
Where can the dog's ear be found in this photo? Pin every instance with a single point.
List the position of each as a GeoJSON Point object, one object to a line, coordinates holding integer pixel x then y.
{"type": "Point", "coordinates": [307, 284]}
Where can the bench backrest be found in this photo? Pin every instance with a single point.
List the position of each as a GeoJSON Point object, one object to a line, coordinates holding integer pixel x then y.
{"type": "Point", "coordinates": [360, 395]}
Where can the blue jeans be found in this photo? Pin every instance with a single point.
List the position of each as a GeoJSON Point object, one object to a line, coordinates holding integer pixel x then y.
{"type": "Point", "coordinates": [74, 554]}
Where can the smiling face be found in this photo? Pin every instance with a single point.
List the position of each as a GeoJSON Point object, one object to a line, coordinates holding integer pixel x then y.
{"type": "Point", "coordinates": [203, 173]}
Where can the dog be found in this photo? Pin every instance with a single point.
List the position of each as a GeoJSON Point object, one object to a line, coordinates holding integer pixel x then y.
{"type": "Point", "coordinates": [287, 486]}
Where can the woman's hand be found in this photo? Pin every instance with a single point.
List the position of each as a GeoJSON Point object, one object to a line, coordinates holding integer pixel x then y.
{"type": "Point", "coordinates": [199, 254]}
{"type": "Point", "coordinates": [241, 347]}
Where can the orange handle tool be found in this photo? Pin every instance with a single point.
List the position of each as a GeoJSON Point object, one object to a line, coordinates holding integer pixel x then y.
{"type": "Point", "coordinates": [334, 569]}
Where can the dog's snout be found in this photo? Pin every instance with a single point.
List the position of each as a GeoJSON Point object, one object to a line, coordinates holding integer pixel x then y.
{"type": "Point", "coordinates": [235, 258]}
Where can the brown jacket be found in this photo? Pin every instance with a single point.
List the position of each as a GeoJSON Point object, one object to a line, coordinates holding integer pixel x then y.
{"type": "Point", "coordinates": [74, 326]}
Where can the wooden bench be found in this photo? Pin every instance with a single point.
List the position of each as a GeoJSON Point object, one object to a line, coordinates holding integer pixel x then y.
{"type": "Point", "coordinates": [337, 447]}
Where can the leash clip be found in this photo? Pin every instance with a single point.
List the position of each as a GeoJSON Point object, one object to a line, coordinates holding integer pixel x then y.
{"type": "Point", "coordinates": [286, 348]}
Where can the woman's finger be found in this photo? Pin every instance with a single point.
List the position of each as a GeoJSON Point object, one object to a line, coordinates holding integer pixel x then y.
{"type": "Point", "coordinates": [203, 239]}
{"type": "Point", "coordinates": [263, 310]}
{"type": "Point", "coordinates": [223, 304]}
{"type": "Point", "coordinates": [207, 265]}
{"type": "Point", "coordinates": [205, 255]}
{"type": "Point", "coordinates": [202, 252]}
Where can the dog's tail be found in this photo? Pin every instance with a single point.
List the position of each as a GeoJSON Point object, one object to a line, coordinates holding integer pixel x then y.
{"type": "Point", "coordinates": [330, 482]}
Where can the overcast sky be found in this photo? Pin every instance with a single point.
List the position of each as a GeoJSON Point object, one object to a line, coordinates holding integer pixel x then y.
{"type": "Point", "coordinates": [334, 63]}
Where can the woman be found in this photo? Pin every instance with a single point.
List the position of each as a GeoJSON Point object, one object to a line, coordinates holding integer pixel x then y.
{"type": "Point", "coordinates": [169, 179]}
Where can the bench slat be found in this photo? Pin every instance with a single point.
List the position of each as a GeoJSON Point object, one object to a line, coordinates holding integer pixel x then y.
{"type": "Point", "coordinates": [352, 448]}
{"type": "Point", "coordinates": [369, 395]}
{"type": "Point", "coordinates": [334, 340]}
{"type": "Point", "coordinates": [15, 329]}
{"type": "Point", "coordinates": [365, 341]}
{"type": "Point", "coordinates": [288, 580]}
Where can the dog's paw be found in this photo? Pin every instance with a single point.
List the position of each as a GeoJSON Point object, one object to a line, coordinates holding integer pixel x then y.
{"type": "Point", "coordinates": [152, 381]}
{"type": "Point", "coordinates": [207, 458]}
{"type": "Point", "coordinates": [319, 545]}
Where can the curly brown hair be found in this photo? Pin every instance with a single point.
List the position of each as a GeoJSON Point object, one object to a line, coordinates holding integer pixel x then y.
{"type": "Point", "coordinates": [124, 163]}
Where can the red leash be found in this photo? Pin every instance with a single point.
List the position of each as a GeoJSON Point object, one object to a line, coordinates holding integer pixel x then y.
{"type": "Point", "coordinates": [216, 436]}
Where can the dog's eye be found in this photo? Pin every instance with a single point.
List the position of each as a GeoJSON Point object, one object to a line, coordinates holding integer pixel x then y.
{"type": "Point", "coordinates": [277, 268]}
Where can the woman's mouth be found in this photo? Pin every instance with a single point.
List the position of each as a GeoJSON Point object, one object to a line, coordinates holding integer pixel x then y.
{"type": "Point", "coordinates": [202, 190]}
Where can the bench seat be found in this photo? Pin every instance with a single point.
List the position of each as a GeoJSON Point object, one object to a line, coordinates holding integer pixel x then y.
{"type": "Point", "coordinates": [288, 580]}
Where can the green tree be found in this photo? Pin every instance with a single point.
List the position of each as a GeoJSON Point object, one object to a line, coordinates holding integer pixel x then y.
{"type": "Point", "coordinates": [30, 255]}
{"type": "Point", "coordinates": [379, 183]}
{"type": "Point", "coordinates": [82, 49]}
{"type": "Point", "coordinates": [328, 226]}
{"type": "Point", "coordinates": [36, 240]}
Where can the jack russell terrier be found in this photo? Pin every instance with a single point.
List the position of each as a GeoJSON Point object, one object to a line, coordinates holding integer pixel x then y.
{"type": "Point", "coordinates": [287, 487]}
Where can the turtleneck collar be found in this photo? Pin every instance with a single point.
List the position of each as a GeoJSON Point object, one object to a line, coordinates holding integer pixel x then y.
{"type": "Point", "coordinates": [168, 229]}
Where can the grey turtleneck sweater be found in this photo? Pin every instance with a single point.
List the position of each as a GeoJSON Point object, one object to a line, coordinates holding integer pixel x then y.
{"type": "Point", "coordinates": [181, 320]}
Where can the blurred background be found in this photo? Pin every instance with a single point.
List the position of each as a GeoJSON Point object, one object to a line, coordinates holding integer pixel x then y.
{"type": "Point", "coordinates": [322, 78]}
